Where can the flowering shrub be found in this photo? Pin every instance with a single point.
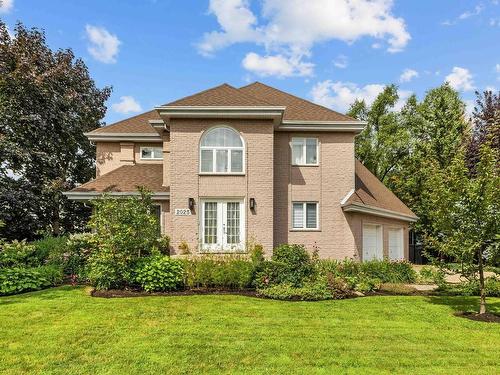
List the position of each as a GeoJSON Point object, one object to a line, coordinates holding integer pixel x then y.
{"type": "Point", "coordinates": [159, 273]}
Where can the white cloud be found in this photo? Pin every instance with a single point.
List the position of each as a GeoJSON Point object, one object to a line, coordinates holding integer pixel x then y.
{"type": "Point", "coordinates": [408, 75]}
{"type": "Point", "coordinates": [460, 79]}
{"type": "Point", "coordinates": [341, 61]}
{"type": "Point", "coordinates": [497, 68]}
{"type": "Point", "coordinates": [127, 104]}
{"type": "Point", "coordinates": [340, 95]}
{"type": "Point", "coordinates": [277, 65]}
{"type": "Point", "coordinates": [103, 45]}
{"type": "Point", "coordinates": [291, 28]}
{"type": "Point", "coordinates": [467, 14]}
{"type": "Point", "coordinates": [490, 88]}
{"type": "Point", "coordinates": [6, 6]}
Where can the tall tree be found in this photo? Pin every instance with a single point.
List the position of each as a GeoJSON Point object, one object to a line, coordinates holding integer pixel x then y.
{"type": "Point", "coordinates": [384, 142]}
{"type": "Point", "coordinates": [466, 209]}
{"type": "Point", "coordinates": [486, 126]}
{"type": "Point", "coordinates": [47, 101]}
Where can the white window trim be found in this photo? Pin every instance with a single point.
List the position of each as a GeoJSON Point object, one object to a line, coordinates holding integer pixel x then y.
{"type": "Point", "coordinates": [152, 153]}
{"type": "Point", "coordinates": [304, 208]}
{"type": "Point", "coordinates": [214, 152]}
{"type": "Point", "coordinates": [303, 140]}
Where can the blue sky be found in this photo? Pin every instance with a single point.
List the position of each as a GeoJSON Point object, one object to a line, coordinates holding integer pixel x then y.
{"type": "Point", "coordinates": [328, 51]}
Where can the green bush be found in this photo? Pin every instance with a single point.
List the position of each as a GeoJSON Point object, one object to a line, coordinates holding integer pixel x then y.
{"type": "Point", "coordinates": [471, 288]}
{"type": "Point", "coordinates": [159, 273]}
{"type": "Point", "coordinates": [382, 270]}
{"type": "Point", "coordinates": [18, 279]}
{"type": "Point", "coordinates": [290, 264]}
{"type": "Point", "coordinates": [164, 244]}
{"type": "Point", "coordinates": [429, 275]}
{"type": "Point", "coordinates": [50, 247]}
{"type": "Point", "coordinates": [310, 291]}
{"type": "Point", "coordinates": [397, 289]}
{"type": "Point", "coordinates": [18, 254]}
{"type": "Point", "coordinates": [107, 270]}
{"type": "Point", "coordinates": [228, 272]}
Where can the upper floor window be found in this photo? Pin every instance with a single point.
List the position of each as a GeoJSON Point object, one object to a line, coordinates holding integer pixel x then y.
{"type": "Point", "coordinates": [221, 151]}
{"type": "Point", "coordinates": [151, 153]}
{"type": "Point", "coordinates": [304, 151]}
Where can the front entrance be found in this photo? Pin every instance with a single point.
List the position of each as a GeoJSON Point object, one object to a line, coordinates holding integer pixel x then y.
{"type": "Point", "coordinates": [222, 225]}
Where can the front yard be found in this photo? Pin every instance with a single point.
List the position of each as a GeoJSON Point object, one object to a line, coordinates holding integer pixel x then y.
{"type": "Point", "coordinates": [64, 330]}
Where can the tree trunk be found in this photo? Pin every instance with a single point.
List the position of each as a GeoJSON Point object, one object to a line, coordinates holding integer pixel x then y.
{"type": "Point", "coordinates": [482, 304]}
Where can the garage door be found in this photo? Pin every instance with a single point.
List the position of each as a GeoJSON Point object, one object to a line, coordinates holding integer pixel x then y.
{"type": "Point", "coordinates": [372, 242]}
{"type": "Point", "coordinates": [396, 247]}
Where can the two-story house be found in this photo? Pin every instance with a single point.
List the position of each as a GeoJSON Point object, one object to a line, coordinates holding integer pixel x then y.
{"type": "Point", "coordinates": [230, 165]}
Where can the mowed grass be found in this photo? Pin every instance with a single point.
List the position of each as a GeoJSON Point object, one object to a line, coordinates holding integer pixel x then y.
{"type": "Point", "coordinates": [65, 331]}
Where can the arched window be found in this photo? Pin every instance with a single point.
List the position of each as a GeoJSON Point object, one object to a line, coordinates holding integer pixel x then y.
{"type": "Point", "coordinates": [221, 151]}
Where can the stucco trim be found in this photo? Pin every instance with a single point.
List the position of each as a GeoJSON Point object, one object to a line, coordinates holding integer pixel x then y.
{"type": "Point", "coordinates": [376, 211]}
{"type": "Point", "coordinates": [85, 196]}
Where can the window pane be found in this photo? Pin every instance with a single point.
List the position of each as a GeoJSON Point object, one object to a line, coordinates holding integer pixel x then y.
{"type": "Point", "coordinates": [298, 215]}
{"type": "Point", "coordinates": [233, 223]}
{"type": "Point", "coordinates": [236, 160]}
{"type": "Point", "coordinates": [311, 216]}
{"type": "Point", "coordinates": [311, 151]}
{"type": "Point", "coordinates": [221, 161]}
{"type": "Point", "coordinates": [146, 153]}
{"type": "Point", "coordinates": [221, 137]}
{"type": "Point", "coordinates": [158, 153]}
{"type": "Point", "coordinates": [210, 223]}
{"type": "Point", "coordinates": [297, 151]}
{"type": "Point", "coordinates": [207, 163]}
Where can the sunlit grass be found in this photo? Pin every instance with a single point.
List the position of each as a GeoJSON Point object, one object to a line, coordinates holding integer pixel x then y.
{"type": "Point", "coordinates": [64, 330]}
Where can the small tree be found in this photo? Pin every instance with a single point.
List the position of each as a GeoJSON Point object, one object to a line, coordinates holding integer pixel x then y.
{"type": "Point", "coordinates": [467, 214]}
{"type": "Point", "coordinates": [126, 229]}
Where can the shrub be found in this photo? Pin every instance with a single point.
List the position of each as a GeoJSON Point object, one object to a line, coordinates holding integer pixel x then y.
{"type": "Point", "coordinates": [382, 270]}
{"type": "Point", "coordinates": [159, 273]}
{"type": "Point", "coordinates": [429, 275]}
{"type": "Point", "coordinates": [18, 279]}
{"type": "Point", "coordinates": [290, 264]}
{"type": "Point", "coordinates": [18, 254]}
{"type": "Point", "coordinates": [367, 284]}
{"type": "Point", "coordinates": [310, 291]}
{"type": "Point", "coordinates": [233, 272]}
{"type": "Point", "coordinates": [164, 244]}
{"type": "Point", "coordinates": [107, 270]}
{"type": "Point", "coordinates": [49, 248]}
{"type": "Point", "coordinates": [471, 288]}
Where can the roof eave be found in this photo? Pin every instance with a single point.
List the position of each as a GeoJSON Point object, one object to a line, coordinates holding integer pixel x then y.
{"type": "Point", "coordinates": [330, 126]}
{"type": "Point", "coordinates": [377, 211]}
{"type": "Point", "coordinates": [85, 196]}
{"type": "Point", "coordinates": [123, 137]}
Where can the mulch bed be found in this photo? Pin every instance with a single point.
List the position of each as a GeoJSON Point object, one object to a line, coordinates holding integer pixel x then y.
{"type": "Point", "coordinates": [487, 317]}
{"type": "Point", "coordinates": [118, 293]}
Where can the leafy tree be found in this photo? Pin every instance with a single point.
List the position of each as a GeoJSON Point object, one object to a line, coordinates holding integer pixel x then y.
{"type": "Point", "coordinates": [125, 230]}
{"type": "Point", "coordinates": [437, 129]}
{"type": "Point", "coordinates": [47, 101]}
{"type": "Point", "coordinates": [384, 142]}
{"type": "Point", "coordinates": [486, 126]}
{"type": "Point", "coordinates": [466, 209]}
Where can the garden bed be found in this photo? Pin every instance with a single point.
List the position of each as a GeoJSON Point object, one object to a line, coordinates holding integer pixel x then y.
{"type": "Point", "coordinates": [486, 317]}
{"type": "Point", "coordinates": [124, 293]}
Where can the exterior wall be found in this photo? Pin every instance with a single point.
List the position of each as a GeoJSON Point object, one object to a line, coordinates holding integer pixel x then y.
{"type": "Point", "coordinates": [111, 155]}
{"type": "Point", "coordinates": [356, 222]}
{"type": "Point", "coordinates": [186, 182]}
{"type": "Point", "coordinates": [328, 183]}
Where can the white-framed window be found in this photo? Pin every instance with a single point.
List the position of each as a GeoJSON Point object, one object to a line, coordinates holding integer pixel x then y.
{"type": "Point", "coordinates": [222, 152]}
{"type": "Point", "coordinates": [304, 151]}
{"type": "Point", "coordinates": [151, 153]}
{"type": "Point", "coordinates": [305, 215]}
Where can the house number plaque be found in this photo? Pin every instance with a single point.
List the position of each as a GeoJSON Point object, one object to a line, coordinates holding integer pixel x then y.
{"type": "Point", "coordinates": [182, 212]}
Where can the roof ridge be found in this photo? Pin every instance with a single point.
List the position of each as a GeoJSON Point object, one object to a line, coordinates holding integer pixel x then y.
{"type": "Point", "coordinates": [216, 87]}
{"type": "Point", "coordinates": [297, 97]}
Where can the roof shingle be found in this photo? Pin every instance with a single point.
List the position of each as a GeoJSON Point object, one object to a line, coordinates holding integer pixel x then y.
{"type": "Point", "coordinates": [127, 178]}
{"type": "Point", "coordinates": [371, 192]}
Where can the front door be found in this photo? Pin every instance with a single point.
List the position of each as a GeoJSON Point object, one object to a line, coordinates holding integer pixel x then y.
{"type": "Point", "coordinates": [222, 225]}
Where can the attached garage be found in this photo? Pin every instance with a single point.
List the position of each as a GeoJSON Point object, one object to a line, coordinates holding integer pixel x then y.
{"type": "Point", "coordinates": [372, 242]}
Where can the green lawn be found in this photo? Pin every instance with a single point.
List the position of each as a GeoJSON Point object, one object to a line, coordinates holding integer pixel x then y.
{"type": "Point", "coordinates": [63, 330]}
